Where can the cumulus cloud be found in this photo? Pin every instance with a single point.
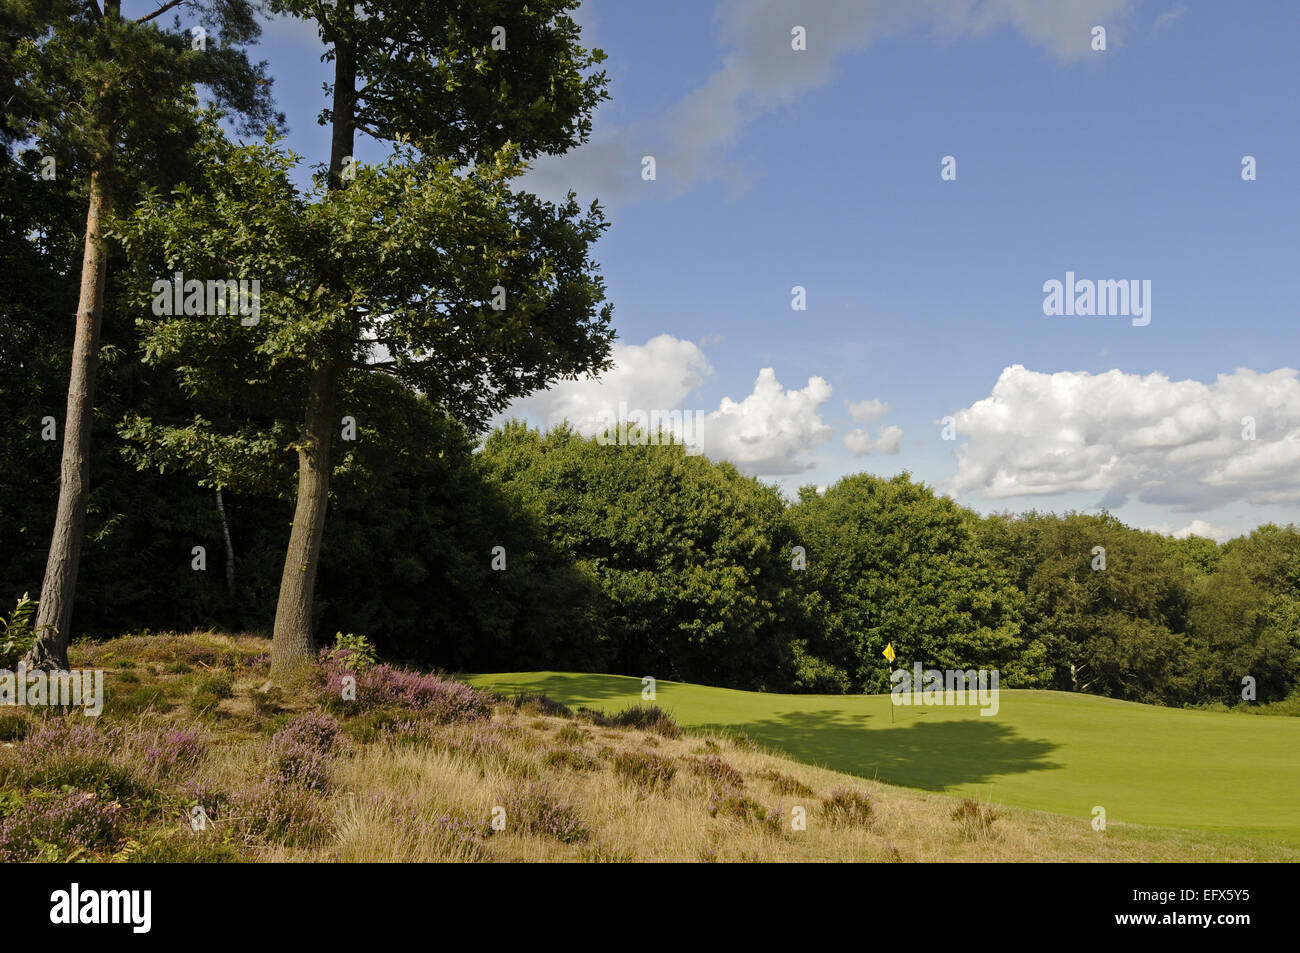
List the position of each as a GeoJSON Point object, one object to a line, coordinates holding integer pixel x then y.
{"type": "Point", "coordinates": [867, 411]}
{"type": "Point", "coordinates": [889, 441]}
{"type": "Point", "coordinates": [759, 72]}
{"type": "Point", "coordinates": [1177, 443]}
{"type": "Point", "coordinates": [768, 432]}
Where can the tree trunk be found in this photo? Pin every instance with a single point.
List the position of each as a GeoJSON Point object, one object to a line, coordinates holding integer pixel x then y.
{"type": "Point", "coordinates": [292, 645]}
{"type": "Point", "coordinates": [54, 614]}
{"type": "Point", "coordinates": [230, 549]}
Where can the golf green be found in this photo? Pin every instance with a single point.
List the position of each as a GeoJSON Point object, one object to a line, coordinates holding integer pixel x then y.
{"type": "Point", "coordinates": [1051, 751]}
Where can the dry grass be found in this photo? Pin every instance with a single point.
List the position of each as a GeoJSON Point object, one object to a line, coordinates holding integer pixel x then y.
{"type": "Point", "coordinates": [429, 791]}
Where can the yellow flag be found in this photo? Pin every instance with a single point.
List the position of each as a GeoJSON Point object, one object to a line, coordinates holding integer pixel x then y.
{"type": "Point", "coordinates": [889, 651]}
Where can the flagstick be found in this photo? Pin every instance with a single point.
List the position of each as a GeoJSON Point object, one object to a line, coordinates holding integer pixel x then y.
{"type": "Point", "coordinates": [891, 694]}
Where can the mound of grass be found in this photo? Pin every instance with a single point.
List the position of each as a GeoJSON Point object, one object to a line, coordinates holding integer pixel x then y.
{"type": "Point", "coordinates": [645, 769]}
{"type": "Point", "coordinates": [849, 807]}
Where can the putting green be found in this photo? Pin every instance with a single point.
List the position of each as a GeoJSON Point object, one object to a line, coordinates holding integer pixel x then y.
{"type": "Point", "coordinates": [1049, 751]}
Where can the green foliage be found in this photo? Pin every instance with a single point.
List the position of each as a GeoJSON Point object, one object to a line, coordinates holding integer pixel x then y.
{"type": "Point", "coordinates": [689, 556]}
{"type": "Point", "coordinates": [16, 633]}
{"type": "Point", "coordinates": [888, 561]}
{"type": "Point", "coordinates": [353, 652]}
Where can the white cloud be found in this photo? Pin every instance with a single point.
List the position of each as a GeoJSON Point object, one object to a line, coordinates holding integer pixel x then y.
{"type": "Point", "coordinates": [889, 441]}
{"type": "Point", "coordinates": [1165, 442]}
{"type": "Point", "coordinates": [759, 72]}
{"type": "Point", "coordinates": [867, 411]}
{"type": "Point", "coordinates": [659, 374]}
{"type": "Point", "coordinates": [767, 432]}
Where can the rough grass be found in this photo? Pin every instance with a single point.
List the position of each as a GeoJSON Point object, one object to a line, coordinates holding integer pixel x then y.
{"type": "Point", "coordinates": [402, 782]}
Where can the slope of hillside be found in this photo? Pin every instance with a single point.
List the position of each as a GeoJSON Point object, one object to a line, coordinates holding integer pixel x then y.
{"type": "Point", "coordinates": [197, 758]}
{"type": "Point", "coordinates": [1049, 751]}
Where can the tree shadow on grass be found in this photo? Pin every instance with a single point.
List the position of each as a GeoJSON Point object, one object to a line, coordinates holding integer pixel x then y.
{"type": "Point", "coordinates": [576, 689]}
{"type": "Point", "coordinates": [933, 756]}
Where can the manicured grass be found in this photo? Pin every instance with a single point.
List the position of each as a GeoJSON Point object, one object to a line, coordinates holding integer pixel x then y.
{"type": "Point", "coordinates": [1050, 751]}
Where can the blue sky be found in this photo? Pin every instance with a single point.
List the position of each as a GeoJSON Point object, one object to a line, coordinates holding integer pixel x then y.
{"type": "Point", "coordinates": [821, 168]}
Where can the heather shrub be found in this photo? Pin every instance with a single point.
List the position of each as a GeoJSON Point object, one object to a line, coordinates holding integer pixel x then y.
{"type": "Point", "coordinates": [647, 718]}
{"type": "Point", "coordinates": [299, 753]}
{"type": "Point", "coordinates": [848, 807]}
{"type": "Point", "coordinates": [385, 686]}
{"type": "Point", "coordinates": [169, 752]}
{"type": "Point", "coordinates": [453, 836]}
{"type": "Point", "coordinates": [742, 808]}
{"type": "Point", "coordinates": [535, 703]}
{"type": "Point", "coordinates": [721, 775]}
{"type": "Point", "coordinates": [58, 827]}
{"type": "Point", "coordinates": [785, 784]}
{"type": "Point", "coordinates": [974, 820]}
{"type": "Point", "coordinates": [645, 769]}
{"type": "Point", "coordinates": [535, 809]}
{"type": "Point", "coordinates": [572, 757]}
{"type": "Point", "coordinates": [71, 752]}
{"type": "Point", "coordinates": [591, 716]}
{"type": "Point", "coordinates": [279, 813]}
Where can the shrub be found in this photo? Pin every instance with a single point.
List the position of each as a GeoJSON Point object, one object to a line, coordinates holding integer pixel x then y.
{"type": "Point", "coordinates": [849, 807]}
{"type": "Point", "coordinates": [571, 757]}
{"type": "Point", "coordinates": [68, 752]}
{"type": "Point", "coordinates": [739, 807]}
{"type": "Point", "coordinates": [16, 633]}
{"type": "Point", "coordinates": [647, 718]}
{"type": "Point", "coordinates": [785, 784]}
{"type": "Point", "coordinates": [535, 703]}
{"type": "Point", "coordinates": [645, 769]}
{"type": "Point", "coordinates": [591, 716]}
{"type": "Point", "coordinates": [281, 813]}
{"type": "Point", "coordinates": [57, 827]}
{"type": "Point", "coordinates": [383, 685]}
{"type": "Point", "coordinates": [167, 752]}
{"type": "Point", "coordinates": [352, 653]}
{"type": "Point", "coordinates": [974, 820]}
{"type": "Point", "coordinates": [535, 809]}
{"type": "Point", "coordinates": [720, 774]}
{"type": "Point", "coordinates": [299, 753]}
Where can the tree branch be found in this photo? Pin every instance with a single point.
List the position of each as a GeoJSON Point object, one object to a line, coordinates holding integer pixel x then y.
{"type": "Point", "coordinates": [160, 11]}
